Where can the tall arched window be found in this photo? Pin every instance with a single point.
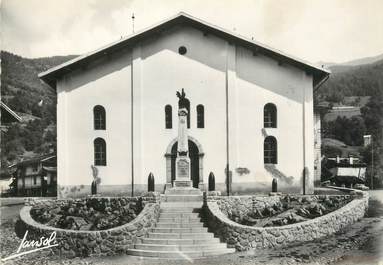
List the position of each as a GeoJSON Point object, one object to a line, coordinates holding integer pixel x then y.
{"type": "Point", "coordinates": [99, 152]}
{"type": "Point", "coordinates": [168, 117]}
{"type": "Point", "coordinates": [99, 118]}
{"type": "Point", "coordinates": [270, 116]}
{"type": "Point", "coordinates": [270, 154]}
{"type": "Point", "coordinates": [200, 116]}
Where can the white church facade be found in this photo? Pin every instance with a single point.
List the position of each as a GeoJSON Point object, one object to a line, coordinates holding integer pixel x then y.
{"type": "Point", "coordinates": [250, 112]}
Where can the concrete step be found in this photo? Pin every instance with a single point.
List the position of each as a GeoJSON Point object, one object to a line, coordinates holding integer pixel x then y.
{"type": "Point", "coordinates": [180, 230]}
{"type": "Point", "coordinates": [200, 247]}
{"type": "Point", "coordinates": [179, 241]}
{"type": "Point", "coordinates": [182, 204]}
{"type": "Point", "coordinates": [180, 235]}
{"type": "Point", "coordinates": [178, 215]}
{"type": "Point", "coordinates": [183, 198]}
{"type": "Point", "coordinates": [183, 191]}
{"type": "Point", "coordinates": [192, 219]}
{"type": "Point", "coordinates": [179, 210]}
{"type": "Point", "coordinates": [178, 225]}
{"type": "Point", "coordinates": [179, 254]}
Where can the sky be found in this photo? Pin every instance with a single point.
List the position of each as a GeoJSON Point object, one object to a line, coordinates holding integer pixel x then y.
{"type": "Point", "coordinates": [314, 30]}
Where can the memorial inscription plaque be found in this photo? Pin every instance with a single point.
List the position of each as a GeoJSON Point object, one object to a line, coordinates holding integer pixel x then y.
{"type": "Point", "coordinates": [183, 169]}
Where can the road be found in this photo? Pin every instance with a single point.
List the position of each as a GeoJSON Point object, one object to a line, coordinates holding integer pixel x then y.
{"type": "Point", "coordinates": [10, 208]}
{"type": "Point", "coordinates": [371, 250]}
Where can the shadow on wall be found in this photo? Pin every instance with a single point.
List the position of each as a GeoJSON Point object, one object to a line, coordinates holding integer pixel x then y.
{"type": "Point", "coordinates": [242, 171]}
{"type": "Point", "coordinates": [201, 52]}
{"type": "Point", "coordinates": [264, 133]}
{"type": "Point", "coordinates": [276, 173]}
{"type": "Point", "coordinates": [64, 192]}
{"type": "Point", "coordinates": [99, 68]}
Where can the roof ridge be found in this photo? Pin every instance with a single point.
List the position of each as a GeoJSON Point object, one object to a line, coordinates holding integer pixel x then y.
{"type": "Point", "coordinates": [49, 76]}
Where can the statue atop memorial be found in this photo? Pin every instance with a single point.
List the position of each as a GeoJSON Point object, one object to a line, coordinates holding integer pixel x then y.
{"type": "Point", "coordinates": [183, 102]}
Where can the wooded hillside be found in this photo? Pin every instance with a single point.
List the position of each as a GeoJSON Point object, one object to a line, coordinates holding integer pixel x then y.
{"type": "Point", "coordinates": [33, 100]}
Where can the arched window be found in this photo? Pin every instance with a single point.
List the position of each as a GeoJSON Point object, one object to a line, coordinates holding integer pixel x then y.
{"type": "Point", "coordinates": [168, 117]}
{"type": "Point", "coordinates": [270, 116]}
{"type": "Point", "coordinates": [270, 154]}
{"type": "Point", "coordinates": [200, 116]}
{"type": "Point", "coordinates": [99, 118]}
{"type": "Point", "coordinates": [99, 152]}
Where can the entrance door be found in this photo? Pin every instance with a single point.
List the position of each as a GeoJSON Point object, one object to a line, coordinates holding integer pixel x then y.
{"type": "Point", "coordinates": [194, 162]}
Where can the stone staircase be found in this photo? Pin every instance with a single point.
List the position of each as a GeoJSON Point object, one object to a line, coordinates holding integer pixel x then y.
{"type": "Point", "coordinates": [179, 232]}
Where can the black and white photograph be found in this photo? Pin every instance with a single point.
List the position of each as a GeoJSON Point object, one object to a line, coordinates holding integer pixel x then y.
{"type": "Point", "coordinates": [191, 132]}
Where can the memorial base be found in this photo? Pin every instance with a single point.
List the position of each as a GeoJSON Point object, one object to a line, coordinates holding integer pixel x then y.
{"type": "Point", "coordinates": [168, 186]}
{"type": "Point", "coordinates": [179, 183]}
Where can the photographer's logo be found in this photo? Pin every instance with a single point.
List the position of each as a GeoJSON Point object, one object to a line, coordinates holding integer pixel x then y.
{"type": "Point", "coordinates": [42, 243]}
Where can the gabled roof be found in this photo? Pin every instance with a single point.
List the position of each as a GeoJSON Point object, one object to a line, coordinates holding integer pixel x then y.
{"type": "Point", "coordinates": [34, 160]}
{"type": "Point", "coordinates": [50, 76]}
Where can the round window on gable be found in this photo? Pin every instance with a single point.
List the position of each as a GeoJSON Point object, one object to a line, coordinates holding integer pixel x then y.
{"type": "Point", "coordinates": [182, 50]}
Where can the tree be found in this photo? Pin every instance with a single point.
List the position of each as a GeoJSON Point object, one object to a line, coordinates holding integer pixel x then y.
{"type": "Point", "coordinates": [350, 131]}
{"type": "Point", "coordinates": [331, 151]}
{"type": "Point", "coordinates": [33, 135]}
{"type": "Point", "coordinates": [356, 130]}
{"type": "Point", "coordinates": [50, 136]}
{"type": "Point", "coordinates": [372, 114]}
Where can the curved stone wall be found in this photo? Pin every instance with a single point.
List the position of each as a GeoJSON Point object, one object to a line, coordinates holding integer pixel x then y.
{"type": "Point", "coordinates": [74, 243]}
{"type": "Point", "coordinates": [247, 237]}
{"type": "Point", "coordinates": [243, 204]}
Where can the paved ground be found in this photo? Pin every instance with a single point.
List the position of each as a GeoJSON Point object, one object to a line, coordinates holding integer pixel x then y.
{"type": "Point", "coordinates": [362, 243]}
{"type": "Point", "coordinates": [11, 201]}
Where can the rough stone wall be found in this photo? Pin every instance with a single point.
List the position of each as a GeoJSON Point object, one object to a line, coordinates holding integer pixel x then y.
{"type": "Point", "coordinates": [244, 237]}
{"type": "Point", "coordinates": [228, 205]}
{"type": "Point", "coordinates": [243, 204]}
{"type": "Point", "coordinates": [73, 243]}
{"type": "Point", "coordinates": [147, 197]}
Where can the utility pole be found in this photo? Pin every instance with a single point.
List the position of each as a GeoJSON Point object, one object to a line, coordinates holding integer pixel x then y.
{"type": "Point", "coordinates": [131, 113]}
{"type": "Point", "coordinates": [372, 164]}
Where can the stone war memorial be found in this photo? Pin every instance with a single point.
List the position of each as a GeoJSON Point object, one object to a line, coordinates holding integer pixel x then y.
{"type": "Point", "coordinates": [209, 171]}
{"type": "Point", "coordinates": [182, 160]}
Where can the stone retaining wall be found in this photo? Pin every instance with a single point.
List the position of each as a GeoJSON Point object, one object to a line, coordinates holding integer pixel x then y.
{"type": "Point", "coordinates": [74, 243]}
{"type": "Point", "coordinates": [243, 204]}
{"type": "Point", "coordinates": [148, 197]}
{"type": "Point", "coordinates": [247, 237]}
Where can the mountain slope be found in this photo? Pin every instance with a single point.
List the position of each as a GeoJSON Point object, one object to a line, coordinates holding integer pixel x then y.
{"type": "Point", "coordinates": [360, 80]}
{"type": "Point", "coordinates": [366, 60]}
{"type": "Point", "coordinates": [21, 89]}
{"type": "Point", "coordinates": [23, 92]}
{"type": "Point", "coordinates": [356, 62]}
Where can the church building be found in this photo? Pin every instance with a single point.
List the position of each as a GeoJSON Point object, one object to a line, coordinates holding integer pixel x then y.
{"type": "Point", "coordinates": [250, 115]}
